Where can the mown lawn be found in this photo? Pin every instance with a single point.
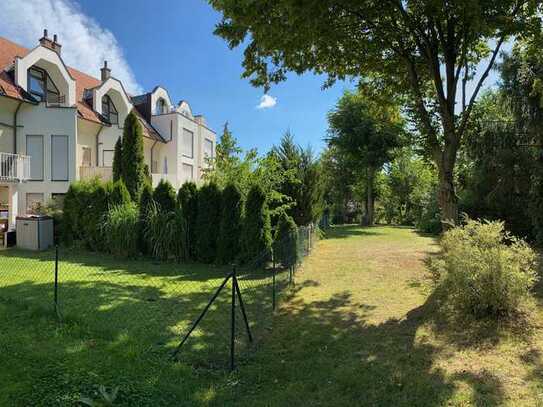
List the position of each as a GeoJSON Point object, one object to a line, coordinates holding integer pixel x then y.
{"type": "Point", "coordinates": [361, 327]}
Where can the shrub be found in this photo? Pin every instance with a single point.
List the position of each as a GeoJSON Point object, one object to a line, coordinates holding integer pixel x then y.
{"type": "Point", "coordinates": [228, 245]}
{"type": "Point", "coordinates": [187, 199]}
{"type": "Point", "coordinates": [164, 196]}
{"type": "Point", "coordinates": [257, 227]}
{"type": "Point", "coordinates": [118, 194]}
{"type": "Point", "coordinates": [207, 222]}
{"type": "Point", "coordinates": [85, 204]}
{"type": "Point", "coordinates": [285, 245]}
{"type": "Point", "coordinates": [120, 229]}
{"type": "Point", "coordinates": [146, 200]}
{"type": "Point", "coordinates": [483, 269]}
{"type": "Point", "coordinates": [165, 233]}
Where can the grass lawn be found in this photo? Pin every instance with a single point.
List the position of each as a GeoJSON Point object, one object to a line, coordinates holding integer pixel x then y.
{"type": "Point", "coordinates": [361, 327]}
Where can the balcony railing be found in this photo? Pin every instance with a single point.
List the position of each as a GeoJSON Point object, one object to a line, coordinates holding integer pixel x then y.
{"type": "Point", "coordinates": [104, 173]}
{"type": "Point", "coordinates": [14, 167]}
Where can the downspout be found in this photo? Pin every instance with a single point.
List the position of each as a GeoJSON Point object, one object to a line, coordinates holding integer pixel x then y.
{"type": "Point", "coordinates": [15, 127]}
{"type": "Point", "coordinates": [98, 145]}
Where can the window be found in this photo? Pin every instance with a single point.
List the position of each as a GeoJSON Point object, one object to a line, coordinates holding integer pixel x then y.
{"type": "Point", "coordinates": [34, 149]}
{"type": "Point", "coordinates": [208, 149]}
{"type": "Point", "coordinates": [187, 143]}
{"type": "Point", "coordinates": [160, 107]}
{"type": "Point", "coordinates": [34, 201]}
{"type": "Point", "coordinates": [59, 158]}
{"type": "Point", "coordinates": [109, 111]}
{"type": "Point", "coordinates": [187, 172]}
{"type": "Point", "coordinates": [41, 86]}
{"type": "Point", "coordinates": [107, 158]}
{"type": "Point", "coordinates": [87, 157]}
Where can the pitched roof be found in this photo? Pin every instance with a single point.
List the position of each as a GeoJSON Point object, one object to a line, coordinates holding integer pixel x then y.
{"type": "Point", "coordinates": [9, 51]}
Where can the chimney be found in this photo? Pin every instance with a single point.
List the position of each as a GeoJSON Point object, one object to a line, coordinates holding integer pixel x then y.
{"type": "Point", "coordinates": [46, 42]}
{"type": "Point", "coordinates": [106, 72]}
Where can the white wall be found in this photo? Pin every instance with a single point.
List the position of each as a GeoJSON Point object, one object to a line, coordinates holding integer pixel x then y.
{"type": "Point", "coordinates": [47, 121]}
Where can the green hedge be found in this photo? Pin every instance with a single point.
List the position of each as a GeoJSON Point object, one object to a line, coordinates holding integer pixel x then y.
{"type": "Point", "coordinates": [257, 227]}
{"type": "Point", "coordinates": [285, 245]}
{"type": "Point", "coordinates": [164, 196]}
{"type": "Point", "coordinates": [228, 246]}
{"type": "Point", "coordinates": [207, 222]}
{"type": "Point", "coordinates": [187, 200]}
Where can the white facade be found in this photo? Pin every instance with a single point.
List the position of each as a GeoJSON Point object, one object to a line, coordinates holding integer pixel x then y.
{"type": "Point", "coordinates": [54, 144]}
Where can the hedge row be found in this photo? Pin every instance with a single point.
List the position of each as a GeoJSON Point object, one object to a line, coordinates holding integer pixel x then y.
{"type": "Point", "coordinates": [206, 224]}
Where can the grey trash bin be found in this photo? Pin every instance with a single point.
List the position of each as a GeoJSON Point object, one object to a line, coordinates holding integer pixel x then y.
{"type": "Point", "coordinates": [34, 232]}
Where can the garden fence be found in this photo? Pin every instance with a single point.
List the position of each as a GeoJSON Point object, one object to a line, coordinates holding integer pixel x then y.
{"type": "Point", "coordinates": [149, 305]}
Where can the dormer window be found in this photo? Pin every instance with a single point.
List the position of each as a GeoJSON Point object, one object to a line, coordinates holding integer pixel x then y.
{"type": "Point", "coordinates": [109, 111]}
{"type": "Point", "coordinates": [161, 106]}
{"type": "Point", "coordinates": [41, 87]}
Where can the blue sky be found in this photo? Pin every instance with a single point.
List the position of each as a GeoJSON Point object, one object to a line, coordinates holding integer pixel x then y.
{"type": "Point", "coordinates": [172, 43]}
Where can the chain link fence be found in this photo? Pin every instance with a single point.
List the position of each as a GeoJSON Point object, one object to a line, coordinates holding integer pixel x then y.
{"type": "Point", "coordinates": [150, 305]}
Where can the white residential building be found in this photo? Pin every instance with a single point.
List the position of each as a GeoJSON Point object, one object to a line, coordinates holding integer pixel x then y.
{"type": "Point", "coordinates": [58, 125]}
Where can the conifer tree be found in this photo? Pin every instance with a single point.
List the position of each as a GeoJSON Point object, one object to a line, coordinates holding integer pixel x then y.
{"type": "Point", "coordinates": [118, 160]}
{"type": "Point", "coordinates": [146, 201]}
{"type": "Point", "coordinates": [187, 199]}
{"type": "Point", "coordinates": [164, 196]}
{"type": "Point", "coordinates": [285, 245]}
{"type": "Point", "coordinates": [257, 227]}
{"type": "Point", "coordinates": [132, 156]}
{"type": "Point", "coordinates": [118, 195]}
{"type": "Point", "coordinates": [228, 246]}
{"type": "Point", "coordinates": [207, 222]}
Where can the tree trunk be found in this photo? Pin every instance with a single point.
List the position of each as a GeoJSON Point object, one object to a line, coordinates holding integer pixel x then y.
{"type": "Point", "coordinates": [448, 202]}
{"type": "Point", "coordinates": [369, 204]}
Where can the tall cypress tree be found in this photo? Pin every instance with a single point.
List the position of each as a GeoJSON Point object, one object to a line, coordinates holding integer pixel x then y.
{"type": "Point", "coordinates": [132, 152]}
{"type": "Point", "coordinates": [118, 160]}
{"type": "Point", "coordinates": [187, 199]}
{"type": "Point", "coordinates": [146, 200]}
{"type": "Point", "coordinates": [257, 227]}
{"type": "Point", "coordinates": [164, 196]}
{"type": "Point", "coordinates": [228, 245]}
{"type": "Point", "coordinates": [208, 221]}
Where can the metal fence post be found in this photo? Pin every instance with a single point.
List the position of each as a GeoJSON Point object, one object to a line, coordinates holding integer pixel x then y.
{"type": "Point", "coordinates": [233, 320]}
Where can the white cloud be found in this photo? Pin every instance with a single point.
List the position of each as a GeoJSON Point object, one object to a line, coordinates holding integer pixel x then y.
{"type": "Point", "coordinates": [85, 44]}
{"type": "Point", "coordinates": [267, 101]}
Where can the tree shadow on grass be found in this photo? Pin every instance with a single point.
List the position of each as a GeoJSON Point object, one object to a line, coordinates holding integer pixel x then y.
{"type": "Point", "coordinates": [326, 353]}
{"type": "Point", "coordinates": [345, 231]}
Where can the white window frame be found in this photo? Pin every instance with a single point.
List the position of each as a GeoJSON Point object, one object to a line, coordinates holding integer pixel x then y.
{"type": "Point", "coordinates": [186, 165]}
{"type": "Point", "coordinates": [185, 131]}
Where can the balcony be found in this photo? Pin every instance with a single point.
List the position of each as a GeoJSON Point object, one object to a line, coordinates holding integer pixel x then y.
{"type": "Point", "coordinates": [14, 167]}
{"type": "Point", "coordinates": [104, 173]}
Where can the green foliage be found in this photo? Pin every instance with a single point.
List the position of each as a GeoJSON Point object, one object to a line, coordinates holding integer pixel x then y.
{"type": "Point", "coordinates": [484, 270]}
{"type": "Point", "coordinates": [85, 204]}
{"type": "Point", "coordinates": [118, 195]}
{"type": "Point", "coordinates": [146, 201]}
{"type": "Point", "coordinates": [228, 245]}
{"type": "Point", "coordinates": [208, 222]}
{"type": "Point", "coordinates": [165, 233]}
{"type": "Point", "coordinates": [257, 227]}
{"type": "Point", "coordinates": [285, 245]}
{"type": "Point", "coordinates": [367, 131]}
{"type": "Point", "coordinates": [132, 156]}
{"type": "Point", "coordinates": [120, 229]}
{"type": "Point", "coordinates": [164, 196]}
{"type": "Point", "coordinates": [118, 160]}
{"type": "Point", "coordinates": [187, 200]}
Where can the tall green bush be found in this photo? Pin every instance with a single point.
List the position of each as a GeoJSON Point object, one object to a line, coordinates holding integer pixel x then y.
{"type": "Point", "coordinates": [208, 222]}
{"type": "Point", "coordinates": [164, 196]}
{"type": "Point", "coordinates": [228, 245]}
{"type": "Point", "coordinates": [120, 229]}
{"type": "Point", "coordinates": [146, 201]}
{"type": "Point", "coordinates": [285, 245]}
{"type": "Point", "coordinates": [132, 156]}
{"type": "Point", "coordinates": [187, 200]}
{"type": "Point", "coordinates": [118, 160]}
{"type": "Point", "coordinates": [257, 227]}
{"type": "Point", "coordinates": [484, 270]}
{"type": "Point", "coordinates": [85, 205]}
{"type": "Point", "coordinates": [119, 194]}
